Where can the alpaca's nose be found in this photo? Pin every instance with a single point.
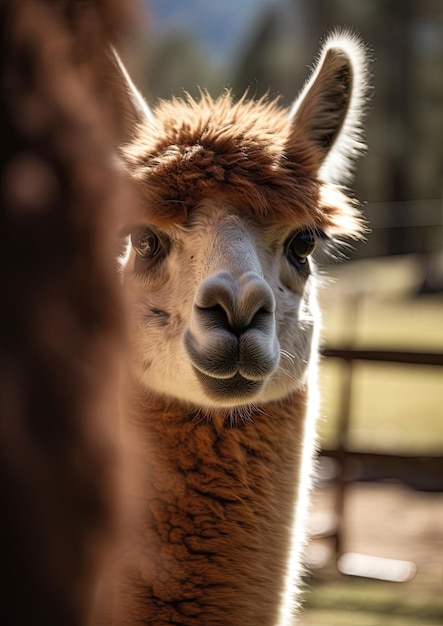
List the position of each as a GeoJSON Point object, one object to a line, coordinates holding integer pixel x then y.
{"type": "Point", "coordinates": [235, 304]}
{"type": "Point", "coordinates": [232, 327]}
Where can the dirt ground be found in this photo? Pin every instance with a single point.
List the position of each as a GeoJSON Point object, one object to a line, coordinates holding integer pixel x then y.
{"type": "Point", "coordinates": [384, 520]}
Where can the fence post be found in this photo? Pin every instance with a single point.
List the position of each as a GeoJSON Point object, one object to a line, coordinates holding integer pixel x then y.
{"type": "Point", "coordinates": [342, 479]}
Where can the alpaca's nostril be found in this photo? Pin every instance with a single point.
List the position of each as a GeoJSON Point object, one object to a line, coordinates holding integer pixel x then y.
{"type": "Point", "coordinates": [213, 317]}
{"type": "Point", "coordinates": [261, 320]}
{"type": "Point", "coordinates": [216, 317]}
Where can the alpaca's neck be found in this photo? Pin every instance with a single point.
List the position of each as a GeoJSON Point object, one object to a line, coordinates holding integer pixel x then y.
{"type": "Point", "coordinates": [219, 504]}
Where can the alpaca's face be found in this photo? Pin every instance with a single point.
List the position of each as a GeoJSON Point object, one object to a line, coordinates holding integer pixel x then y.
{"type": "Point", "coordinates": [224, 307]}
{"type": "Point", "coordinates": [224, 298]}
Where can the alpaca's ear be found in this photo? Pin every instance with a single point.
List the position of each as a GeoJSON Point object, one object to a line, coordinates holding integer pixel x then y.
{"type": "Point", "coordinates": [135, 109]}
{"type": "Point", "coordinates": [329, 110]}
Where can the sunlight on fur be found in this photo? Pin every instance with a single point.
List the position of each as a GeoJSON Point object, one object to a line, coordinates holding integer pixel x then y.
{"type": "Point", "coordinates": [237, 196]}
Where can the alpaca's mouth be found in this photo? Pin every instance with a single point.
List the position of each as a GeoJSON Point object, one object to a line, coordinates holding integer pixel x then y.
{"type": "Point", "coordinates": [236, 387]}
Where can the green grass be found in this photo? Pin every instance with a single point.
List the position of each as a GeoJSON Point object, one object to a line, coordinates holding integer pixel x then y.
{"type": "Point", "coordinates": [395, 408]}
{"type": "Point", "coordinates": [359, 602]}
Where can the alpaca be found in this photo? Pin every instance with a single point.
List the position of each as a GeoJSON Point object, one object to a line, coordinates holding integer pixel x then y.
{"type": "Point", "coordinates": [225, 326]}
{"type": "Point", "coordinates": [62, 320]}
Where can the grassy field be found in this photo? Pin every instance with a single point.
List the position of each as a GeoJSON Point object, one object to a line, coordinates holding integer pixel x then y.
{"type": "Point", "coordinates": [394, 409]}
{"type": "Point", "coordinates": [397, 408]}
{"type": "Point", "coordinates": [357, 602]}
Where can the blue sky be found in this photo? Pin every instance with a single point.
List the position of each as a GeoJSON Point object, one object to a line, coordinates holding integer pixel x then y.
{"type": "Point", "coordinates": [218, 24]}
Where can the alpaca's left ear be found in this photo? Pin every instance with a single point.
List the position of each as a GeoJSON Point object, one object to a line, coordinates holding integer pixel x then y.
{"type": "Point", "coordinates": [328, 112]}
{"type": "Point", "coordinates": [134, 107]}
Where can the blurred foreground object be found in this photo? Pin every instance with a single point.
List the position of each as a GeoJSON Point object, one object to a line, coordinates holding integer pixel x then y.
{"type": "Point", "coordinates": [62, 322]}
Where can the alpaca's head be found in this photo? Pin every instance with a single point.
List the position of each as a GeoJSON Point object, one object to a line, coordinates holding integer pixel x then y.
{"type": "Point", "coordinates": [236, 198]}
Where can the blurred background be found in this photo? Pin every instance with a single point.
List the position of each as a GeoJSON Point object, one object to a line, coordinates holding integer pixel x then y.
{"type": "Point", "coordinates": [378, 510]}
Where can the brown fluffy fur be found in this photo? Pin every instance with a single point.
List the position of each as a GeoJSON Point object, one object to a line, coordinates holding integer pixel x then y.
{"type": "Point", "coordinates": [61, 315]}
{"type": "Point", "coordinates": [198, 150]}
{"type": "Point", "coordinates": [211, 543]}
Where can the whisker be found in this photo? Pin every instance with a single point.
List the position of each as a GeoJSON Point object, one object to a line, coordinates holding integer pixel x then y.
{"type": "Point", "coordinates": [289, 374]}
{"type": "Point", "coordinates": [259, 409]}
{"type": "Point", "coordinates": [199, 417]}
{"type": "Point", "coordinates": [288, 355]}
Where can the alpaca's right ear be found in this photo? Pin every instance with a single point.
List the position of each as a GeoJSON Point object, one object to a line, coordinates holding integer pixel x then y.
{"type": "Point", "coordinates": [328, 114]}
{"type": "Point", "coordinates": [135, 109]}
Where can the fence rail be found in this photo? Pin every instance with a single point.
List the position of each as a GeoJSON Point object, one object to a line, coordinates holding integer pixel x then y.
{"type": "Point", "coordinates": [385, 356]}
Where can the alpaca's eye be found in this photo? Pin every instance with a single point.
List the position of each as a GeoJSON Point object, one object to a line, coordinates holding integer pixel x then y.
{"type": "Point", "coordinates": [146, 243]}
{"type": "Point", "coordinates": [300, 246]}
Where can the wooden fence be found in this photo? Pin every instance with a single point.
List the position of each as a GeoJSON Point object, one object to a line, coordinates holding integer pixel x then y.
{"type": "Point", "coordinates": [418, 472]}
